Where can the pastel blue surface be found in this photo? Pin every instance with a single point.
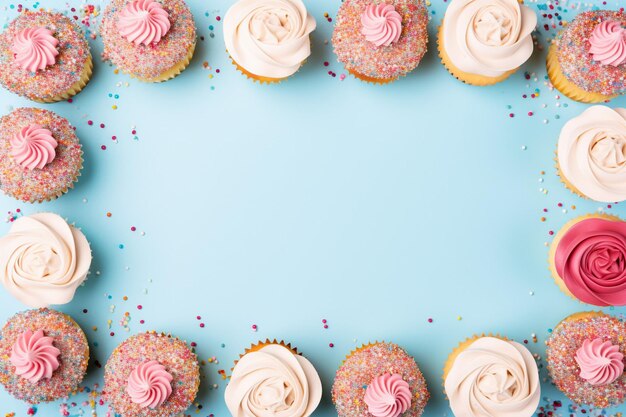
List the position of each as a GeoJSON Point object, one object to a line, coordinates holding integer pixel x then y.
{"type": "Point", "coordinates": [375, 208]}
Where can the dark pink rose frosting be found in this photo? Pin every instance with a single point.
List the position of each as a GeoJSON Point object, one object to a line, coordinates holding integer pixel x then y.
{"type": "Point", "coordinates": [591, 260]}
{"type": "Point", "coordinates": [388, 395]}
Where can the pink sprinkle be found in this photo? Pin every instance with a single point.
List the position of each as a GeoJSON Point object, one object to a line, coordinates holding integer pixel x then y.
{"type": "Point", "coordinates": [551, 232]}
{"type": "Point", "coordinates": [430, 320]}
{"type": "Point", "coordinates": [324, 321]}
{"type": "Point", "coordinates": [530, 113]}
{"type": "Point", "coordinates": [139, 307]}
{"type": "Point", "coordinates": [326, 326]}
{"type": "Point", "coordinates": [142, 321]}
{"type": "Point", "coordinates": [202, 325]}
{"type": "Point", "coordinates": [218, 18]}
{"type": "Point", "coordinates": [102, 125]}
{"type": "Point", "coordinates": [90, 122]}
{"type": "Point", "coordinates": [254, 327]}
{"type": "Point", "coordinates": [342, 77]}
{"type": "Point", "coordinates": [133, 228]}
{"type": "Point", "coordinates": [511, 115]}
{"type": "Point", "coordinates": [113, 137]}
{"type": "Point", "coordinates": [198, 318]}
{"type": "Point", "coordinates": [331, 345]}
{"type": "Point", "coordinates": [103, 147]}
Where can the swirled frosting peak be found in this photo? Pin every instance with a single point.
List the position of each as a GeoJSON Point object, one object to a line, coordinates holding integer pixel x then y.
{"type": "Point", "coordinates": [33, 147]}
{"type": "Point", "coordinates": [34, 356]}
{"type": "Point", "coordinates": [269, 38]}
{"type": "Point", "coordinates": [143, 22]}
{"type": "Point", "coordinates": [43, 260]}
{"type": "Point", "coordinates": [608, 43]}
{"type": "Point", "coordinates": [381, 24]}
{"type": "Point", "coordinates": [590, 258]}
{"type": "Point", "coordinates": [592, 153]}
{"type": "Point", "coordinates": [149, 384]}
{"type": "Point", "coordinates": [493, 378]}
{"type": "Point", "coordinates": [488, 37]}
{"type": "Point", "coordinates": [388, 395]}
{"type": "Point", "coordinates": [35, 48]}
{"type": "Point", "coordinates": [273, 381]}
{"type": "Point", "coordinates": [600, 362]}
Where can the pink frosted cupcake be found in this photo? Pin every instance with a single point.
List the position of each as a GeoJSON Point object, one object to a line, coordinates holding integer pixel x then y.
{"type": "Point", "coordinates": [44, 56]}
{"type": "Point", "coordinates": [151, 375]}
{"type": "Point", "coordinates": [40, 156]}
{"type": "Point", "coordinates": [585, 355]}
{"type": "Point", "coordinates": [379, 380]}
{"type": "Point", "coordinates": [152, 40]}
{"type": "Point", "coordinates": [43, 356]}
{"type": "Point", "coordinates": [380, 41]}
{"type": "Point", "coordinates": [587, 61]}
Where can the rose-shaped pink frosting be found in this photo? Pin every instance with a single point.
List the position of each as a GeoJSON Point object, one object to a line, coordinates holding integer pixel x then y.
{"type": "Point", "coordinates": [33, 147]}
{"type": "Point", "coordinates": [381, 24]}
{"type": "Point", "coordinates": [608, 43]}
{"type": "Point", "coordinates": [149, 385]}
{"type": "Point", "coordinates": [388, 396]}
{"type": "Point", "coordinates": [35, 49]}
{"type": "Point", "coordinates": [600, 362]}
{"type": "Point", "coordinates": [591, 260]}
{"type": "Point", "coordinates": [143, 22]}
{"type": "Point", "coordinates": [34, 356]}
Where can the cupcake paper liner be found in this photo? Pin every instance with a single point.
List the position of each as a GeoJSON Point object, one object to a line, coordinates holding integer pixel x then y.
{"type": "Point", "coordinates": [371, 80]}
{"type": "Point", "coordinates": [563, 179]}
{"type": "Point", "coordinates": [467, 78]}
{"type": "Point", "coordinates": [555, 243]}
{"type": "Point", "coordinates": [566, 87]}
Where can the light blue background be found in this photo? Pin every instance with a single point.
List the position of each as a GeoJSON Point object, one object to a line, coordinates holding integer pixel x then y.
{"type": "Point", "coordinates": [373, 207]}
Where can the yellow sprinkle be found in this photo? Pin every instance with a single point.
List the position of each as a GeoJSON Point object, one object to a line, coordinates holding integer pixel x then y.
{"type": "Point", "coordinates": [114, 107]}
{"type": "Point", "coordinates": [459, 318]}
{"type": "Point", "coordinates": [94, 328]}
{"type": "Point", "coordinates": [210, 76]}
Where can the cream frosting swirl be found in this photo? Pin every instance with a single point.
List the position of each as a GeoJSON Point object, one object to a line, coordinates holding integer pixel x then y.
{"type": "Point", "coordinates": [273, 381]}
{"type": "Point", "coordinates": [488, 37]}
{"type": "Point", "coordinates": [607, 43]}
{"type": "Point", "coordinates": [268, 38]}
{"type": "Point", "coordinates": [33, 147]}
{"type": "Point", "coordinates": [388, 395]}
{"type": "Point", "coordinates": [149, 384]}
{"type": "Point", "coordinates": [143, 22]}
{"type": "Point", "coordinates": [381, 24]}
{"type": "Point", "coordinates": [34, 356]}
{"type": "Point", "coordinates": [43, 260]}
{"type": "Point", "coordinates": [493, 378]}
{"type": "Point", "coordinates": [600, 361]}
{"type": "Point", "coordinates": [35, 48]}
{"type": "Point", "coordinates": [592, 153]}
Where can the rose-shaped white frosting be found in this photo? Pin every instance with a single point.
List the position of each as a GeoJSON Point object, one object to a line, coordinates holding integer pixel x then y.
{"type": "Point", "coordinates": [43, 260]}
{"type": "Point", "coordinates": [273, 382]}
{"type": "Point", "coordinates": [268, 38]}
{"type": "Point", "coordinates": [592, 153]}
{"type": "Point", "coordinates": [488, 37]}
{"type": "Point", "coordinates": [493, 378]}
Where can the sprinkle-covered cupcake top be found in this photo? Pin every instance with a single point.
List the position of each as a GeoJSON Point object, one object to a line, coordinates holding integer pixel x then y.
{"type": "Point", "coordinates": [43, 355]}
{"type": "Point", "coordinates": [375, 371]}
{"type": "Point", "coordinates": [585, 359]}
{"type": "Point", "coordinates": [151, 375]}
{"type": "Point", "coordinates": [32, 167]}
{"type": "Point", "coordinates": [368, 41]}
{"type": "Point", "coordinates": [132, 44]}
{"type": "Point", "coordinates": [583, 51]}
{"type": "Point", "coordinates": [42, 55]}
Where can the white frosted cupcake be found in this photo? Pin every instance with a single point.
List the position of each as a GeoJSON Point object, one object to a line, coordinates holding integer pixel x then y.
{"type": "Point", "coordinates": [268, 40]}
{"type": "Point", "coordinates": [492, 377]}
{"type": "Point", "coordinates": [591, 154]}
{"type": "Point", "coordinates": [43, 260]}
{"type": "Point", "coordinates": [273, 379]}
{"type": "Point", "coordinates": [483, 42]}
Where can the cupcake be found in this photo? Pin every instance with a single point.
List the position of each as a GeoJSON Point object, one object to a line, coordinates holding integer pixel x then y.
{"type": "Point", "coordinates": [43, 260]}
{"type": "Point", "coordinates": [585, 355]}
{"type": "Point", "coordinates": [40, 156]}
{"type": "Point", "coordinates": [380, 380]}
{"type": "Point", "coordinates": [587, 60]}
{"type": "Point", "coordinates": [268, 40]}
{"type": "Point", "coordinates": [379, 41]}
{"type": "Point", "coordinates": [273, 379]}
{"type": "Point", "coordinates": [151, 375]}
{"type": "Point", "coordinates": [44, 57]}
{"type": "Point", "coordinates": [43, 356]}
{"type": "Point", "coordinates": [591, 154]}
{"type": "Point", "coordinates": [483, 42]}
{"type": "Point", "coordinates": [152, 40]}
{"type": "Point", "coordinates": [492, 377]}
{"type": "Point", "coordinates": [587, 259]}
